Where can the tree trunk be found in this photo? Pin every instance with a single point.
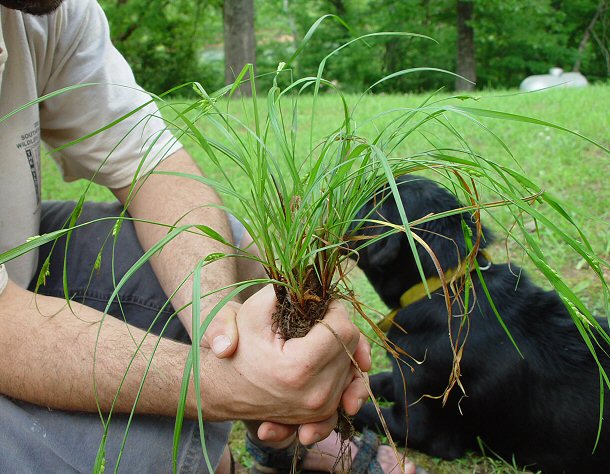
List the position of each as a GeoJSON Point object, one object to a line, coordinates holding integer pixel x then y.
{"type": "Point", "coordinates": [240, 45]}
{"type": "Point", "coordinates": [466, 65]}
{"type": "Point", "coordinates": [585, 39]}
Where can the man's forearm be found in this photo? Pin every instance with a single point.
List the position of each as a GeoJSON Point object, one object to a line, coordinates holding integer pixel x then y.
{"type": "Point", "coordinates": [52, 356]}
{"type": "Point", "coordinates": [175, 200]}
{"type": "Point", "coordinates": [47, 358]}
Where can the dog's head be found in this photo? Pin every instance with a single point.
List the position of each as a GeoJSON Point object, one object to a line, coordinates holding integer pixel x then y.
{"type": "Point", "coordinates": [389, 263]}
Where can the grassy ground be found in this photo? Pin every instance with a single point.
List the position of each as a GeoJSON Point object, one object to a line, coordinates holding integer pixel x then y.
{"type": "Point", "coordinates": [569, 167]}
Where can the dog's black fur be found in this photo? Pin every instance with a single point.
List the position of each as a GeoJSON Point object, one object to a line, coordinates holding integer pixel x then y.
{"type": "Point", "coordinates": [542, 408]}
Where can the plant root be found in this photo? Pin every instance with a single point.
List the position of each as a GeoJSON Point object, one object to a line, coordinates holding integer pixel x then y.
{"type": "Point", "coordinates": [295, 315]}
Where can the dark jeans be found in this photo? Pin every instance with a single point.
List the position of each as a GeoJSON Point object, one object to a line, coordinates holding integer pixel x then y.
{"type": "Point", "coordinates": [35, 439]}
{"type": "Point", "coordinates": [140, 300]}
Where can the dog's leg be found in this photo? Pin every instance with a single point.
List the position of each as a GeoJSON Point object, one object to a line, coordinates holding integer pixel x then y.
{"type": "Point", "coordinates": [382, 386]}
{"type": "Point", "coordinates": [368, 417]}
{"type": "Point", "coordinates": [426, 431]}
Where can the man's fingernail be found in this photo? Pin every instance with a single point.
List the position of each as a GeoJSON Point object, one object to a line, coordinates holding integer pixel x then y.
{"type": "Point", "coordinates": [360, 402]}
{"type": "Point", "coordinates": [220, 344]}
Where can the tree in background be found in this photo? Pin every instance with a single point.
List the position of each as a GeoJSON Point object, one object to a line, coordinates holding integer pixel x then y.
{"type": "Point", "coordinates": [172, 42]}
{"type": "Point", "coordinates": [515, 38]}
{"type": "Point", "coordinates": [589, 25]}
{"type": "Point", "coordinates": [239, 39]}
{"type": "Point", "coordinates": [466, 64]}
{"type": "Point", "coordinates": [602, 40]}
{"type": "Point", "coordinates": [427, 17]}
{"type": "Point", "coordinates": [357, 64]}
{"type": "Point", "coordinates": [512, 39]}
{"type": "Point", "coordinates": [163, 40]}
{"type": "Point", "coordinates": [436, 19]}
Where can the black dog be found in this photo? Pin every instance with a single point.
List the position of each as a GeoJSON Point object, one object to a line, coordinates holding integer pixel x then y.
{"type": "Point", "coordinates": [540, 409]}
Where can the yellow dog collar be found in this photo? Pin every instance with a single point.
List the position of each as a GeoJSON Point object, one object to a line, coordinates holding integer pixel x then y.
{"type": "Point", "coordinates": [418, 291]}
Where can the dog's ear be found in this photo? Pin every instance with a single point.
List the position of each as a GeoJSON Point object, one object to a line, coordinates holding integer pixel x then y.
{"type": "Point", "coordinates": [384, 252]}
{"type": "Point", "coordinates": [381, 252]}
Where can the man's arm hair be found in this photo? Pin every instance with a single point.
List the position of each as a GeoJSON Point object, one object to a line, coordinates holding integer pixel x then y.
{"type": "Point", "coordinates": [47, 358]}
{"type": "Point", "coordinates": [54, 355]}
{"type": "Point", "coordinates": [174, 200]}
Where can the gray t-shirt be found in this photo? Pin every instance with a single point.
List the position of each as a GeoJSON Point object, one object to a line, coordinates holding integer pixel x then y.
{"type": "Point", "coordinates": [40, 55]}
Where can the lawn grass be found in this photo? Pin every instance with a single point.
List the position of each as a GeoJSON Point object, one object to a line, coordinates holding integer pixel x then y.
{"type": "Point", "coordinates": [569, 167]}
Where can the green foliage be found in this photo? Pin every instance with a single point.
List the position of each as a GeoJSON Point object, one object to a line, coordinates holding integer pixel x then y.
{"type": "Point", "coordinates": [434, 19]}
{"type": "Point", "coordinates": [516, 38]}
{"type": "Point", "coordinates": [169, 43]}
{"type": "Point", "coordinates": [513, 39]}
{"type": "Point", "coordinates": [163, 41]}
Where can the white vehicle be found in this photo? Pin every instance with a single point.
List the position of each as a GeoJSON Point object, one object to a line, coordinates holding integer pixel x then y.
{"type": "Point", "coordinates": [555, 78]}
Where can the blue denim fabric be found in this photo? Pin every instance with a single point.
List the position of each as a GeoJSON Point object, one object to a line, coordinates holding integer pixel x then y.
{"type": "Point", "coordinates": [36, 439]}
{"type": "Point", "coordinates": [140, 299]}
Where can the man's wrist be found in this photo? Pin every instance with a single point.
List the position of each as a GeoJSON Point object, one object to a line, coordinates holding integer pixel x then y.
{"type": "Point", "coordinates": [213, 390]}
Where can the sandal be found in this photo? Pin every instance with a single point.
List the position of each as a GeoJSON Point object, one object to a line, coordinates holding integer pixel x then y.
{"type": "Point", "coordinates": [365, 461]}
{"type": "Point", "coordinates": [289, 460]}
{"type": "Point", "coordinates": [275, 461]}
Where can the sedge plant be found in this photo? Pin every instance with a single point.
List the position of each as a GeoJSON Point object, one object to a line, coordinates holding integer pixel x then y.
{"type": "Point", "coordinates": [298, 198]}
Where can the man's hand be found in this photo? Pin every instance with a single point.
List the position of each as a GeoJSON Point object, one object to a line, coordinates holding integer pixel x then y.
{"type": "Point", "coordinates": [299, 381]}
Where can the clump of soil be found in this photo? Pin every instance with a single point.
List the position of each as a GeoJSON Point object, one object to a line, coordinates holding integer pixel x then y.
{"type": "Point", "coordinates": [296, 313]}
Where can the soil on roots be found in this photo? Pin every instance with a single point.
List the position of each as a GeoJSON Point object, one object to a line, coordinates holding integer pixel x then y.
{"type": "Point", "coordinates": [296, 314]}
